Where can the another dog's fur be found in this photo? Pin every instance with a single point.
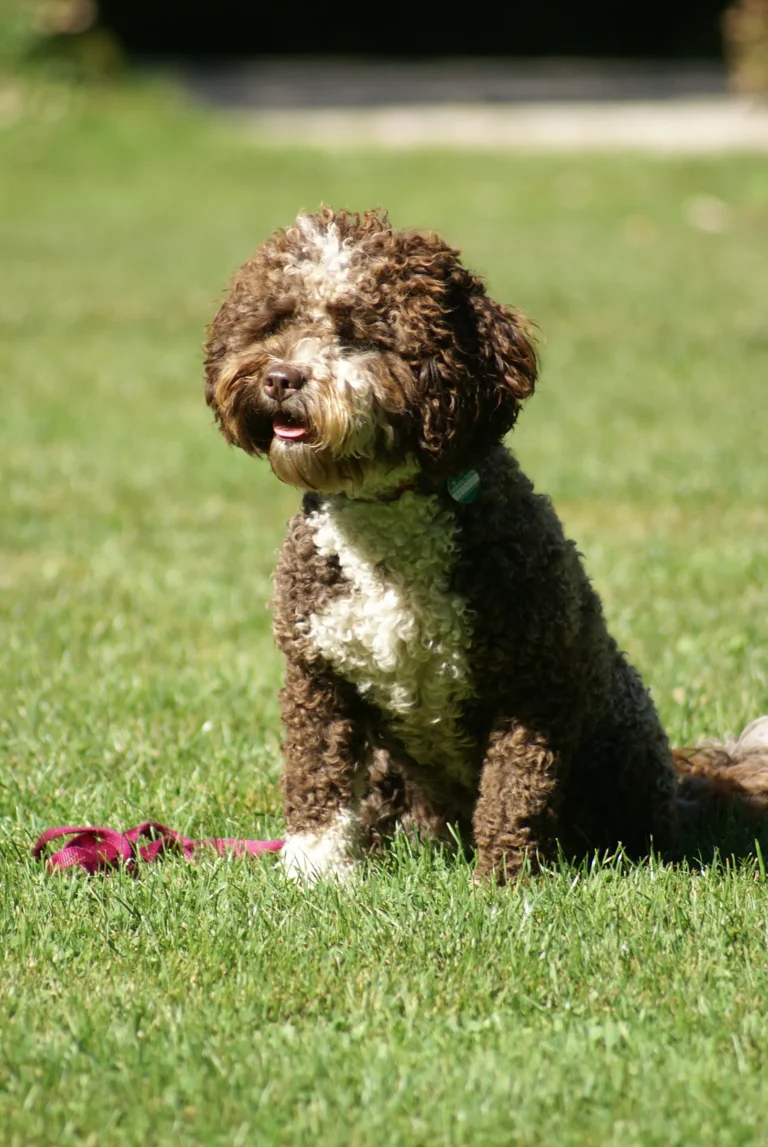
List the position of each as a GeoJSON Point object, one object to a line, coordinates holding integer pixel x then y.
{"type": "Point", "coordinates": [447, 662]}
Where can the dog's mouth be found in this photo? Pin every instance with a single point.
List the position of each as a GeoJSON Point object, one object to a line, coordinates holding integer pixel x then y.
{"type": "Point", "coordinates": [288, 429]}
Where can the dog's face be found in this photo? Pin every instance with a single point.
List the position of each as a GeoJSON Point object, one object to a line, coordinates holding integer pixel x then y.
{"type": "Point", "coordinates": [346, 350]}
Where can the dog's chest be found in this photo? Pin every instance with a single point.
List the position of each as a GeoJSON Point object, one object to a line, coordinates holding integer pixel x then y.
{"type": "Point", "coordinates": [399, 633]}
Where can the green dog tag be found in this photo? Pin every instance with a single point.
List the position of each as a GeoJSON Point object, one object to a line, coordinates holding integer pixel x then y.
{"type": "Point", "coordinates": [465, 487]}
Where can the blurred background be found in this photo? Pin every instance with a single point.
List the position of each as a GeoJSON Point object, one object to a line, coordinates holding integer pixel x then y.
{"type": "Point", "coordinates": [658, 47]}
{"type": "Point", "coordinates": [388, 77]}
{"type": "Point", "coordinates": [236, 28]}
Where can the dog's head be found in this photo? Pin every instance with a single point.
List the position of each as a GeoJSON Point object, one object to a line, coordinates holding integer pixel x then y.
{"type": "Point", "coordinates": [345, 350]}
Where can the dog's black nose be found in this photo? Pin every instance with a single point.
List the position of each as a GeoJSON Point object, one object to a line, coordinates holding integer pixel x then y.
{"type": "Point", "coordinates": [282, 382]}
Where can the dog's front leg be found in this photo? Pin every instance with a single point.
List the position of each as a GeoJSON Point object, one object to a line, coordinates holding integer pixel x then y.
{"type": "Point", "coordinates": [516, 813]}
{"type": "Point", "coordinates": [323, 752]}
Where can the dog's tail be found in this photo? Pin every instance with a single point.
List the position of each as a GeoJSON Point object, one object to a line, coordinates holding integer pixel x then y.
{"type": "Point", "coordinates": [713, 776]}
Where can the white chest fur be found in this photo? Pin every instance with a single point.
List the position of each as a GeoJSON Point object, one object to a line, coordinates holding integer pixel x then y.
{"type": "Point", "coordinates": [400, 635]}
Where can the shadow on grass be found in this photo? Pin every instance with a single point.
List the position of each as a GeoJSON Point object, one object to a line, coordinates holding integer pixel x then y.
{"type": "Point", "coordinates": [718, 839]}
{"type": "Point", "coordinates": [722, 836]}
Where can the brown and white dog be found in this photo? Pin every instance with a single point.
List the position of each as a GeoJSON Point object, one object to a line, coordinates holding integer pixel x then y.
{"type": "Point", "coordinates": [447, 661]}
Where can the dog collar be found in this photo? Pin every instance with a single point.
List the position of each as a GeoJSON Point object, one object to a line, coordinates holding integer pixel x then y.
{"type": "Point", "coordinates": [464, 488]}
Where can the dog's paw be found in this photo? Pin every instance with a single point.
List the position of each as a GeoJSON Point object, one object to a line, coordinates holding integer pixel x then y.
{"type": "Point", "coordinates": [331, 853]}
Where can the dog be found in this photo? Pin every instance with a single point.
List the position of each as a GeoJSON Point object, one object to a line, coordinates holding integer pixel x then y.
{"type": "Point", "coordinates": [448, 666]}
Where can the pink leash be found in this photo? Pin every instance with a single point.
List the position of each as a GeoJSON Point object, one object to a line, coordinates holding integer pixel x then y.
{"type": "Point", "coordinates": [100, 849]}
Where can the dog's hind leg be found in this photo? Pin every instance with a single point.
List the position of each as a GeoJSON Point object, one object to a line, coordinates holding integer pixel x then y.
{"type": "Point", "coordinates": [516, 815]}
{"type": "Point", "coordinates": [402, 796]}
{"type": "Point", "coordinates": [621, 788]}
{"type": "Point", "coordinates": [323, 753]}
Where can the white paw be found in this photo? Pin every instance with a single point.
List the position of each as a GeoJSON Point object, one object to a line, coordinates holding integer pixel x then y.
{"type": "Point", "coordinates": [331, 853]}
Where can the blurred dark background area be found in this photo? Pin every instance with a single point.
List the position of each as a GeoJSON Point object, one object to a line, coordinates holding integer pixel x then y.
{"type": "Point", "coordinates": [251, 53]}
{"type": "Point", "coordinates": [660, 29]}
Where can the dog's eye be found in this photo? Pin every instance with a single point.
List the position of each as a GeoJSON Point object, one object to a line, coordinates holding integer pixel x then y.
{"type": "Point", "coordinates": [271, 316]}
{"type": "Point", "coordinates": [343, 322]}
{"type": "Point", "coordinates": [363, 346]}
{"type": "Point", "coordinates": [356, 332]}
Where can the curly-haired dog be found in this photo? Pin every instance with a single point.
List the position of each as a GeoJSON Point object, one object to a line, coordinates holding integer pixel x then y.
{"type": "Point", "coordinates": [447, 658]}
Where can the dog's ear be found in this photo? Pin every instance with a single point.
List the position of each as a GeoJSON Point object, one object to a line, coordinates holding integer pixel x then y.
{"type": "Point", "coordinates": [505, 351]}
{"type": "Point", "coordinates": [474, 380]}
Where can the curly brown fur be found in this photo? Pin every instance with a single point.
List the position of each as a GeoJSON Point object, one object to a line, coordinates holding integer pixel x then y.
{"type": "Point", "coordinates": [446, 663]}
{"type": "Point", "coordinates": [714, 776]}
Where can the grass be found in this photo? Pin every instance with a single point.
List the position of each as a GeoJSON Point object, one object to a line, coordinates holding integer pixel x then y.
{"type": "Point", "coordinates": [213, 1003]}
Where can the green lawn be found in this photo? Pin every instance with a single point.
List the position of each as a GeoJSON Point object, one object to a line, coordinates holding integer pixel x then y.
{"type": "Point", "coordinates": [214, 1003]}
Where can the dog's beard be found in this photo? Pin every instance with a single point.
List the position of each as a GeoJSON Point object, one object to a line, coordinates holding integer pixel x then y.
{"type": "Point", "coordinates": [345, 410]}
{"type": "Point", "coordinates": [348, 438]}
{"type": "Point", "coordinates": [342, 440]}
{"type": "Point", "coordinates": [314, 468]}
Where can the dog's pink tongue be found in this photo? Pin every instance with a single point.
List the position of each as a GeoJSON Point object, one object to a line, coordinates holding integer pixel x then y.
{"type": "Point", "coordinates": [284, 431]}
